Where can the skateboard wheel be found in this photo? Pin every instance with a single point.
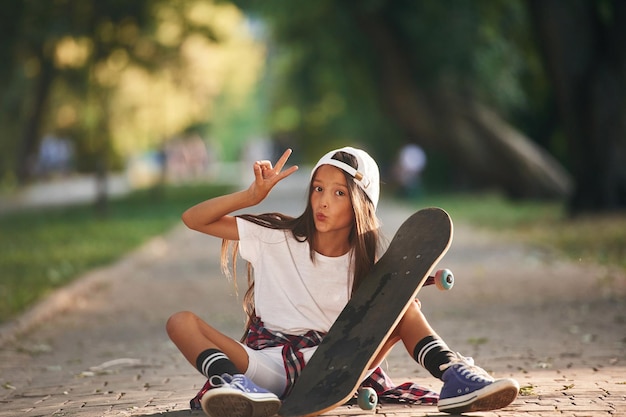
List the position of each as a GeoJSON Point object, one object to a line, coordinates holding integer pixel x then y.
{"type": "Point", "coordinates": [367, 398]}
{"type": "Point", "coordinates": [444, 279]}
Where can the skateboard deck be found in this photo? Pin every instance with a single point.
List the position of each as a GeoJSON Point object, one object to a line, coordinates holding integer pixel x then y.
{"type": "Point", "coordinates": [342, 360]}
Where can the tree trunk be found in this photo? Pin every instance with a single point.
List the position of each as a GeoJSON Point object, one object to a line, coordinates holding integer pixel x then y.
{"type": "Point", "coordinates": [477, 142]}
{"type": "Point", "coordinates": [495, 153]}
{"type": "Point", "coordinates": [32, 122]}
{"type": "Point", "coordinates": [585, 57]}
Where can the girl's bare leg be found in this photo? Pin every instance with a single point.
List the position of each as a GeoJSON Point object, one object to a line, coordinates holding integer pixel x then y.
{"type": "Point", "coordinates": [193, 336]}
{"type": "Point", "coordinates": [412, 328]}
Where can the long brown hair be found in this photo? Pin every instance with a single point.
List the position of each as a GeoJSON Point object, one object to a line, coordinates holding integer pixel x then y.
{"type": "Point", "coordinates": [364, 237]}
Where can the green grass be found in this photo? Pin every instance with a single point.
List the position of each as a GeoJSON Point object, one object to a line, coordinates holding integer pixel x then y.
{"type": "Point", "coordinates": [44, 249]}
{"type": "Point", "coordinates": [600, 238]}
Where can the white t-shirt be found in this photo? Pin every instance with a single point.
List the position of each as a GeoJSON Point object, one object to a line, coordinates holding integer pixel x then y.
{"type": "Point", "coordinates": [292, 294]}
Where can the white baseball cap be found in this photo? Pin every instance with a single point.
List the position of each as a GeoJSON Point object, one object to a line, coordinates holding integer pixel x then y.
{"type": "Point", "coordinates": [366, 174]}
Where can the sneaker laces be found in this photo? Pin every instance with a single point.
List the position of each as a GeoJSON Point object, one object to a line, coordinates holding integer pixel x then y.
{"type": "Point", "coordinates": [239, 383]}
{"type": "Point", "coordinates": [467, 368]}
{"type": "Point", "coordinates": [221, 381]}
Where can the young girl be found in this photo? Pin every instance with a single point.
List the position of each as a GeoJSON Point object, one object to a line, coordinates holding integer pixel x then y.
{"type": "Point", "coordinates": [305, 269]}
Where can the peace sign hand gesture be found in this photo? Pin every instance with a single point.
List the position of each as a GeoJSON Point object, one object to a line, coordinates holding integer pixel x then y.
{"type": "Point", "coordinates": [266, 176]}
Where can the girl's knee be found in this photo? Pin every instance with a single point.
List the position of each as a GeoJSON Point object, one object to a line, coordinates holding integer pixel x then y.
{"type": "Point", "coordinates": [178, 321]}
{"type": "Point", "coordinates": [414, 312]}
{"type": "Point", "coordinates": [413, 317]}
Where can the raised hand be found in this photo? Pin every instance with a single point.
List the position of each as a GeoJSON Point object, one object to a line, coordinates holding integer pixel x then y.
{"type": "Point", "coordinates": [267, 176]}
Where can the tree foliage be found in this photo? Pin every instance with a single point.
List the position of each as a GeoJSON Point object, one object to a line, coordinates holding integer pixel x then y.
{"type": "Point", "coordinates": [493, 89]}
{"type": "Point", "coordinates": [117, 76]}
{"type": "Point", "coordinates": [430, 72]}
{"type": "Point", "coordinates": [466, 79]}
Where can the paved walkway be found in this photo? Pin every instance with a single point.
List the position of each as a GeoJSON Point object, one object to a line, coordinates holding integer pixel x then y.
{"type": "Point", "coordinates": [75, 189]}
{"type": "Point", "coordinates": [98, 347]}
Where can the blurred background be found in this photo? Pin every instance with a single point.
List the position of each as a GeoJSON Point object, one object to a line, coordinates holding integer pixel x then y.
{"type": "Point", "coordinates": [523, 101]}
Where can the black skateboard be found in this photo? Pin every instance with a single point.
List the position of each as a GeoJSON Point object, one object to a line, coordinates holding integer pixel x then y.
{"type": "Point", "coordinates": [339, 365]}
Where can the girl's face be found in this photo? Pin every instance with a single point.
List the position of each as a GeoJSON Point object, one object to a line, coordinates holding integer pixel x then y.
{"type": "Point", "coordinates": [330, 201]}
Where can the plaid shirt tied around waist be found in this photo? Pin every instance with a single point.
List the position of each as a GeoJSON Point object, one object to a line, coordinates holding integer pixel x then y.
{"type": "Point", "coordinates": [259, 337]}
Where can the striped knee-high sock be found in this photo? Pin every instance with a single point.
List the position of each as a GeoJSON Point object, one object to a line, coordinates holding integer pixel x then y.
{"type": "Point", "coordinates": [431, 353]}
{"type": "Point", "coordinates": [214, 362]}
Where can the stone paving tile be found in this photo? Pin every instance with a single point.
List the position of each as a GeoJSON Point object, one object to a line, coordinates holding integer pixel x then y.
{"type": "Point", "coordinates": [126, 393]}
